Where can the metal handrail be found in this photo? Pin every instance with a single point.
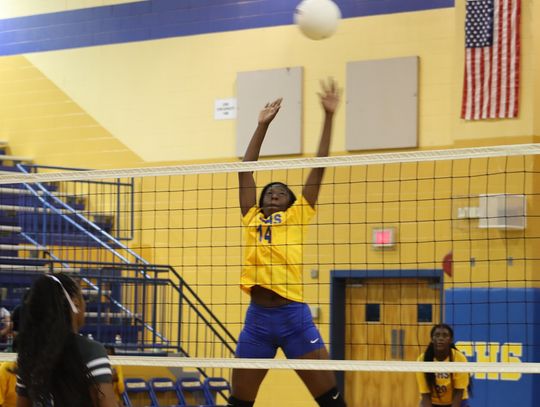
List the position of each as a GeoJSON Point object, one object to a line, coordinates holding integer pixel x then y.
{"type": "Point", "coordinates": [83, 219]}
{"type": "Point", "coordinates": [118, 183]}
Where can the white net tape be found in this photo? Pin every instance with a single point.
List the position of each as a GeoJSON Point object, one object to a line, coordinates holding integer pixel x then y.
{"type": "Point", "coordinates": [340, 161]}
{"type": "Point", "coordinates": [308, 364]}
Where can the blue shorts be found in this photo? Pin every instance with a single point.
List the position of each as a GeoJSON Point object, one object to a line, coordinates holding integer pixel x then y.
{"type": "Point", "coordinates": [289, 327]}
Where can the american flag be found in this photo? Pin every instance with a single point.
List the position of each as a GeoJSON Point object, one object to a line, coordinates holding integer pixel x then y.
{"type": "Point", "coordinates": [491, 82]}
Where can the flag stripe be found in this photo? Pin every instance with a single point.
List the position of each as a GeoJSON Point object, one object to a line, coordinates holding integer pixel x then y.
{"type": "Point", "coordinates": [466, 77]}
{"type": "Point", "coordinates": [495, 64]}
{"type": "Point", "coordinates": [477, 82]}
{"type": "Point", "coordinates": [515, 52]}
{"type": "Point", "coordinates": [506, 61]}
{"type": "Point", "coordinates": [498, 49]}
{"type": "Point", "coordinates": [470, 81]}
{"type": "Point", "coordinates": [486, 57]}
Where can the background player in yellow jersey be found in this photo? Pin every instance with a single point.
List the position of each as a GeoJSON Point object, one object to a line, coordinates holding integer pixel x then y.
{"type": "Point", "coordinates": [443, 389]}
{"type": "Point", "coordinates": [274, 228]}
{"type": "Point", "coordinates": [8, 380]}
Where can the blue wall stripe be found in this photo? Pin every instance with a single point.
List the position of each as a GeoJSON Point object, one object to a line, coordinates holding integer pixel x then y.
{"type": "Point", "coordinates": [154, 19]}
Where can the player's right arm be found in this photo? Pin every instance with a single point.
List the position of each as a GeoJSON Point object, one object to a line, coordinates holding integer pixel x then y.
{"type": "Point", "coordinates": [426, 400]}
{"type": "Point", "coordinates": [423, 388]}
{"type": "Point", "coordinates": [246, 181]}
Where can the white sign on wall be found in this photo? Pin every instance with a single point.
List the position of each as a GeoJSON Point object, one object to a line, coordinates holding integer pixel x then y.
{"type": "Point", "coordinates": [224, 109]}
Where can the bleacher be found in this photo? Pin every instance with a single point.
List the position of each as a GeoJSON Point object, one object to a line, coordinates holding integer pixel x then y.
{"type": "Point", "coordinates": [34, 220]}
{"type": "Point", "coordinates": [188, 391]}
{"type": "Point", "coordinates": [44, 227]}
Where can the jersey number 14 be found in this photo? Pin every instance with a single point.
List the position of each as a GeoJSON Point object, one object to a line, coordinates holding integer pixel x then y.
{"type": "Point", "coordinates": [265, 233]}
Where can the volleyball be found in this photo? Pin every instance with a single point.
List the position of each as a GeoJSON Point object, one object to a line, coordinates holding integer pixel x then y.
{"type": "Point", "coordinates": [317, 19]}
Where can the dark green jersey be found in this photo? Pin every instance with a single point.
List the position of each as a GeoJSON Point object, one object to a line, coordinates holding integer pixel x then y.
{"type": "Point", "coordinates": [93, 355]}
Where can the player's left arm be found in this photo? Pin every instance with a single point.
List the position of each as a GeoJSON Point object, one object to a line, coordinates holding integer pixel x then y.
{"type": "Point", "coordinates": [460, 379]}
{"type": "Point", "coordinates": [329, 101]}
{"type": "Point", "coordinates": [23, 401]}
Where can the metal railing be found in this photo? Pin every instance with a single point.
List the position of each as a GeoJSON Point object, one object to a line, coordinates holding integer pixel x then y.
{"type": "Point", "coordinates": [138, 309]}
{"type": "Point", "coordinates": [118, 206]}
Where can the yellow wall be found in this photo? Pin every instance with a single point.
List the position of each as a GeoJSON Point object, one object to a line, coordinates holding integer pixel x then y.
{"type": "Point", "coordinates": [41, 122]}
{"type": "Point", "coordinates": [103, 98]}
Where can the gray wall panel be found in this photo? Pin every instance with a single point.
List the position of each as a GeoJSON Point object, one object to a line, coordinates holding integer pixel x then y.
{"type": "Point", "coordinates": [382, 104]}
{"type": "Point", "coordinates": [254, 89]}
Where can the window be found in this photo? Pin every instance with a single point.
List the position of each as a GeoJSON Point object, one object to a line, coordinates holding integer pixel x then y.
{"type": "Point", "coordinates": [425, 313]}
{"type": "Point", "coordinates": [373, 312]}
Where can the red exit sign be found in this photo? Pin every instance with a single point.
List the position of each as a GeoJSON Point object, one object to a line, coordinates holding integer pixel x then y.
{"type": "Point", "coordinates": [384, 237]}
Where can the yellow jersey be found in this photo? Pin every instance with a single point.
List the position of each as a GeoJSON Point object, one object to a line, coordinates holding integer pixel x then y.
{"type": "Point", "coordinates": [445, 383]}
{"type": "Point", "coordinates": [8, 381]}
{"type": "Point", "coordinates": [274, 249]}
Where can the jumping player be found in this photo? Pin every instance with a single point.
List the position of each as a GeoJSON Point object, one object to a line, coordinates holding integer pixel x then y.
{"type": "Point", "coordinates": [274, 227]}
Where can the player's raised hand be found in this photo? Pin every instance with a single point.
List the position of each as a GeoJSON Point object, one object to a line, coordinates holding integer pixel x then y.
{"type": "Point", "coordinates": [270, 111]}
{"type": "Point", "coordinates": [330, 95]}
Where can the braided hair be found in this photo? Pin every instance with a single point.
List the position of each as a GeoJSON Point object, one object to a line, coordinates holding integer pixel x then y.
{"type": "Point", "coordinates": [49, 362]}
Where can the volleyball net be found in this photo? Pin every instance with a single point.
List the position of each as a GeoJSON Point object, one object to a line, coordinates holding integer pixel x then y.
{"type": "Point", "coordinates": [400, 242]}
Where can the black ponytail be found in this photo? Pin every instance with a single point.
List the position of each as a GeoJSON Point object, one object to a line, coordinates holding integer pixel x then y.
{"type": "Point", "coordinates": [49, 362]}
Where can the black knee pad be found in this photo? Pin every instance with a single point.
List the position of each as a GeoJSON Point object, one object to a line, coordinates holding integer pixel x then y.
{"type": "Point", "coordinates": [332, 398]}
{"type": "Point", "coordinates": [234, 402]}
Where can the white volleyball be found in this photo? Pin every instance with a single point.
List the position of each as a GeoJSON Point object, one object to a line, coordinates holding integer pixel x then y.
{"type": "Point", "coordinates": [317, 19]}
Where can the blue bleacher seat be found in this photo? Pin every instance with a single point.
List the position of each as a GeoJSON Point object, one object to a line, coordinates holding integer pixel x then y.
{"type": "Point", "coordinates": [165, 392]}
{"type": "Point", "coordinates": [137, 393]}
{"type": "Point", "coordinates": [193, 391]}
{"type": "Point", "coordinates": [217, 391]}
